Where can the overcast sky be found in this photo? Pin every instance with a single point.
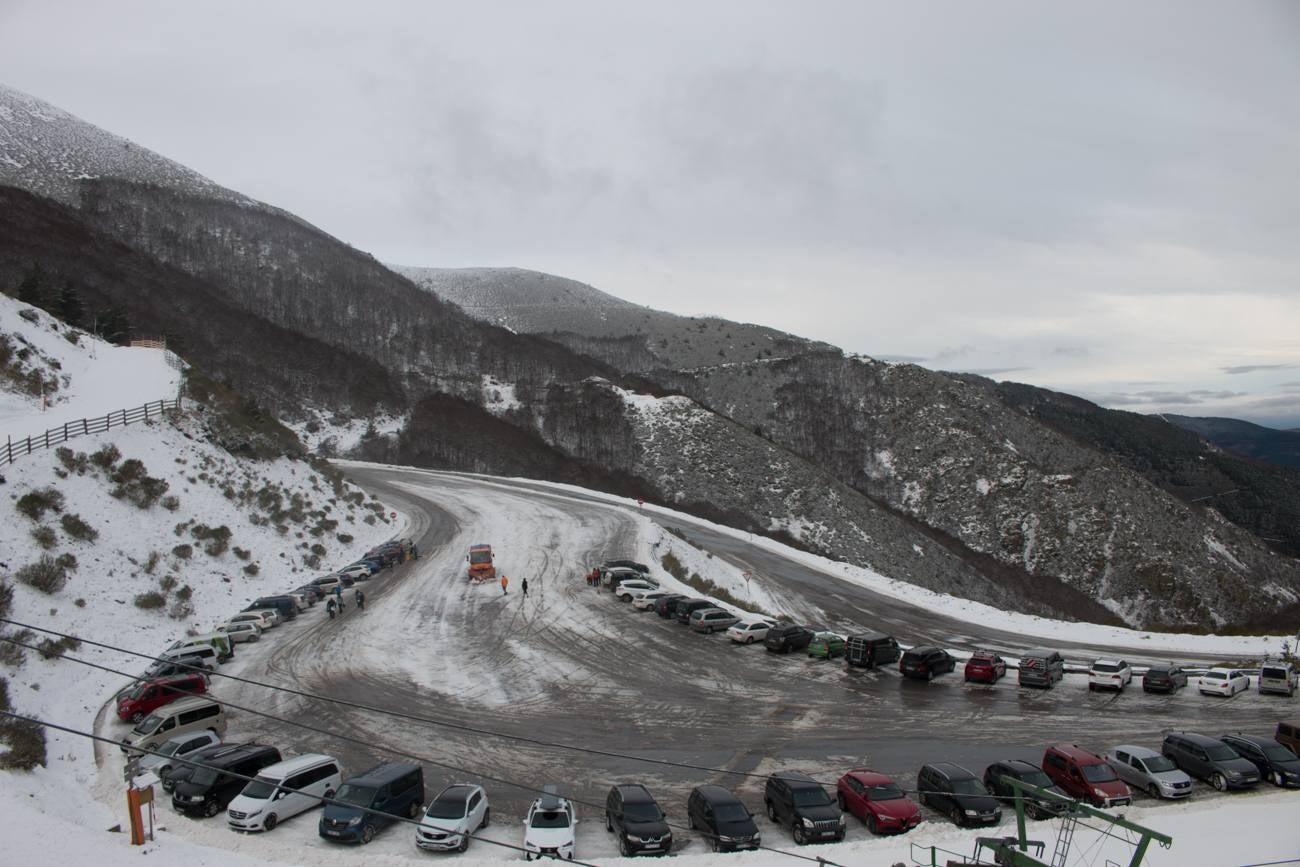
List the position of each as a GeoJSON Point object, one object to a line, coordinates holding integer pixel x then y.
{"type": "Point", "coordinates": [1099, 198]}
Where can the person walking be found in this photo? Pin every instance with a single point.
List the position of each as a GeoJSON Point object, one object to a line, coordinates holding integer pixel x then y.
{"type": "Point", "coordinates": [329, 607]}
{"type": "Point", "coordinates": [338, 595]}
{"type": "Point", "coordinates": [524, 586]}
{"type": "Point", "coordinates": [361, 600]}
{"type": "Point", "coordinates": [504, 582]}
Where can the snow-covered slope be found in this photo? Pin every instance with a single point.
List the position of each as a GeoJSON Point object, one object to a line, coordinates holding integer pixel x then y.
{"type": "Point", "coordinates": [48, 151]}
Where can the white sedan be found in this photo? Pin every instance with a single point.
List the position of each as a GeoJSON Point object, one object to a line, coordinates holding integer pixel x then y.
{"type": "Point", "coordinates": [1223, 681]}
{"type": "Point", "coordinates": [645, 599]}
{"type": "Point", "coordinates": [748, 631]}
{"type": "Point", "coordinates": [241, 631]}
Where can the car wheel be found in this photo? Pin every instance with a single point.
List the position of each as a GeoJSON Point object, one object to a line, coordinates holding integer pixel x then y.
{"type": "Point", "coordinates": [626, 597]}
{"type": "Point", "coordinates": [955, 815]}
{"type": "Point", "coordinates": [487, 818]}
{"type": "Point", "coordinates": [690, 821]}
{"type": "Point", "coordinates": [929, 675]}
{"type": "Point", "coordinates": [800, 838]}
{"type": "Point", "coordinates": [749, 640]}
{"type": "Point", "coordinates": [1277, 779]}
{"type": "Point", "coordinates": [717, 845]}
{"type": "Point", "coordinates": [211, 809]}
{"type": "Point", "coordinates": [624, 849]}
{"type": "Point", "coordinates": [137, 717]}
{"type": "Point", "coordinates": [871, 824]}
{"type": "Point", "coordinates": [839, 799]}
{"type": "Point", "coordinates": [1220, 782]}
{"type": "Point", "coordinates": [1154, 791]}
{"type": "Point", "coordinates": [609, 826]}
{"type": "Point", "coordinates": [270, 822]}
{"type": "Point", "coordinates": [771, 811]}
{"type": "Point", "coordinates": [464, 843]}
{"type": "Point", "coordinates": [1092, 687]}
{"type": "Point", "coordinates": [367, 833]}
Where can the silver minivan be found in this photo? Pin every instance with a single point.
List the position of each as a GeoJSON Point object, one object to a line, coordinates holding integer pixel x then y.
{"type": "Point", "coordinates": [1150, 772]}
{"type": "Point", "coordinates": [1040, 667]}
{"type": "Point", "coordinates": [191, 714]}
{"type": "Point", "coordinates": [1278, 677]}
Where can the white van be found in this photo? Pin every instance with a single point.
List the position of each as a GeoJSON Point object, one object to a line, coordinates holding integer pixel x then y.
{"type": "Point", "coordinates": [190, 714]}
{"type": "Point", "coordinates": [205, 654]}
{"type": "Point", "coordinates": [219, 641]}
{"type": "Point", "coordinates": [284, 789]}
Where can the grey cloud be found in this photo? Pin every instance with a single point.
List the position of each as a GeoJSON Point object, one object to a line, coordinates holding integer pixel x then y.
{"type": "Point", "coordinates": [993, 371]}
{"type": "Point", "coordinates": [1072, 351]}
{"type": "Point", "coordinates": [1252, 368]}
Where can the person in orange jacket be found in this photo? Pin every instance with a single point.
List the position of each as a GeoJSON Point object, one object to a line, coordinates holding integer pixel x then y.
{"type": "Point", "coordinates": [504, 582]}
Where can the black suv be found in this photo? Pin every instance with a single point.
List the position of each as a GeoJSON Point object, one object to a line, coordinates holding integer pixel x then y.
{"type": "Point", "coordinates": [785, 637]}
{"type": "Point", "coordinates": [955, 791]}
{"type": "Point", "coordinates": [686, 607]}
{"type": "Point", "coordinates": [1210, 759]}
{"type": "Point", "coordinates": [209, 789]}
{"type": "Point", "coordinates": [1274, 762]}
{"type": "Point", "coordinates": [1164, 677]}
{"type": "Point", "coordinates": [723, 818]}
{"type": "Point", "coordinates": [1026, 772]}
{"type": "Point", "coordinates": [666, 606]}
{"type": "Point", "coordinates": [924, 662]}
{"type": "Point", "coordinates": [633, 813]}
{"type": "Point", "coordinates": [799, 801]}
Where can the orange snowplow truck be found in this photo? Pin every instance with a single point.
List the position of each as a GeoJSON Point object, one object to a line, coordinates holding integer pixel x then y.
{"type": "Point", "coordinates": [480, 563]}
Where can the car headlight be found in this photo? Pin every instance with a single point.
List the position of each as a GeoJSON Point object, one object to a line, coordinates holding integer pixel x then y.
{"type": "Point", "coordinates": [841, 818]}
{"type": "Point", "coordinates": [1099, 793]}
{"type": "Point", "coordinates": [354, 821]}
{"type": "Point", "coordinates": [1234, 775]}
{"type": "Point", "coordinates": [532, 847]}
{"type": "Point", "coordinates": [253, 814]}
{"type": "Point", "coordinates": [809, 823]}
{"type": "Point", "coordinates": [972, 812]}
{"type": "Point", "coordinates": [632, 838]}
{"type": "Point", "coordinates": [724, 839]}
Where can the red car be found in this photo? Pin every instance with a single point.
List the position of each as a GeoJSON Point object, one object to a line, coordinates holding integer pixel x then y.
{"type": "Point", "coordinates": [877, 800]}
{"type": "Point", "coordinates": [1086, 776]}
{"type": "Point", "coordinates": [985, 666]}
{"type": "Point", "coordinates": [147, 695]}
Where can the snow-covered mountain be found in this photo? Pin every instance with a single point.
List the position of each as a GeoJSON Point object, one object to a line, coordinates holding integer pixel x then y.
{"type": "Point", "coordinates": [48, 151]}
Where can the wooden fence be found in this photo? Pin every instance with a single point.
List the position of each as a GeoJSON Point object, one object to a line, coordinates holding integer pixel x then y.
{"type": "Point", "coordinates": [12, 450]}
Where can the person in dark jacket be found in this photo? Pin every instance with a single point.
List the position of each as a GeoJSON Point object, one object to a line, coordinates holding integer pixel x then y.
{"type": "Point", "coordinates": [524, 586]}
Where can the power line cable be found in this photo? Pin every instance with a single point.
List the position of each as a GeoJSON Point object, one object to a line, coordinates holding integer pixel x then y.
{"type": "Point", "coordinates": [371, 745]}
{"type": "Point", "coordinates": [195, 763]}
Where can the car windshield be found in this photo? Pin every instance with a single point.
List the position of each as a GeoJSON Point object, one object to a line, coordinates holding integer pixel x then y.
{"type": "Point", "coordinates": [1105, 666]}
{"type": "Point", "coordinates": [731, 813]}
{"type": "Point", "coordinates": [148, 724]}
{"type": "Point", "coordinates": [357, 796]}
{"type": "Point", "coordinates": [1159, 764]}
{"type": "Point", "coordinates": [550, 818]}
{"type": "Point", "coordinates": [1220, 753]}
{"type": "Point", "coordinates": [170, 748]}
{"type": "Point", "coordinates": [203, 776]}
{"type": "Point", "coordinates": [447, 808]}
{"type": "Point", "coordinates": [480, 557]}
{"type": "Point", "coordinates": [642, 812]}
{"type": "Point", "coordinates": [884, 792]}
{"type": "Point", "coordinates": [811, 798]}
{"type": "Point", "coordinates": [138, 691]}
{"type": "Point", "coordinates": [1099, 773]}
{"type": "Point", "coordinates": [260, 788]}
{"type": "Point", "coordinates": [1037, 778]}
{"type": "Point", "coordinates": [968, 786]}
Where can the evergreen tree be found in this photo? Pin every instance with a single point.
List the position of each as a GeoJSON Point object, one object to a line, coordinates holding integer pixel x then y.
{"type": "Point", "coordinates": [113, 325]}
{"type": "Point", "coordinates": [70, 309]}
{"type": "Point", "coordinates": [32, 289]}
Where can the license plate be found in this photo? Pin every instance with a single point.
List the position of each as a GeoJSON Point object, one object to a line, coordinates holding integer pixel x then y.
{"type": "Point", "coordinates": [332, 833]}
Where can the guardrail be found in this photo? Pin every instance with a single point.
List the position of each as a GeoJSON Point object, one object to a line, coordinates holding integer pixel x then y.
{"type": "Point", "coordinates": [14, 449]}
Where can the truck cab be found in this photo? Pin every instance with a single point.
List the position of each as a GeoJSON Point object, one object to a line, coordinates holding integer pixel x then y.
{"type": "Point", "coordinates": [481, 567]}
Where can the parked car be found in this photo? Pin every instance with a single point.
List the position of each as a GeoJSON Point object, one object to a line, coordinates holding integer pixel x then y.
{"type": "Point", "coordinates": [369, 802]}
{"type": "Point", "coordinates": [357, 572]}
{"type": "Point", "coordinates": [711, 620]}
{"type": "Point", "coordinates": [162, 760]}
{"type": "Point", "coordinates": [1209, 759]}
{"type": "Point", "coordinates": [283, 790]}
{"type": "Point", "coordinates": [877, 800]}
{"type": "Point", "coordinates": [800, 802]}
{"type": "Point", "coordinates": [285, 605]}
{"type": "Point", "coordinates": [264, 619]}
{"type": "Point", "coordinates": [1148, 771]}
{"type": "Point", "coordinates": [149, 695]}
{"type": "Point", "coordinates": [644, 600]}
{"type": "Point", "coordinates": [1164, 677]}
{"type": "Point", "coordinates": [1110, 674]}
{"type": "Point", "coordinates": [826, 645]}
{"type": "Point", "coordinates": [1288, 735]}
{"type": "Point", "coordinates": [314, 593]}
{"type": "Point", "coordinates": [954, 791]}
{"type": "Point", "coordinates": [327, 583]}
{"type": "Point", "coordinates": [634, 817]}
{"type": "Point", "coordinates": [923, 662]}
{"type": "Point", "coordinates": [190, 714]}
{"type": "Point", "coordinates": [985, 666]}
{"type": "Point", "coordinates": [549, 829]}
{"type": "Point", "coordinates": [208, 789]}
{"type": "Point", "coordinates": [1036, 806]}
{"type": "Point", "coordinates": [611, 578]}
{"type": "Point", "coordinates": [241, 631]}
{"type": "Point", "coordinates": [666, 605]}
{"type": "Point", "coordinates": [1085, 776]}
{"type": "Point", "coordinates": [458, 811]}
{"type": "Point", "coordinates": [748, 631]}
{"type": "Point", "coordinates": [1279, 678]}
{"type": "Point", "coordinates": [1223, 681]}
{"type": "Point", "coordinates": [301, 599]}
{"type": "Point", "coordinates": [202, 656]}
{"type": "Point", "coordinates": [690, 606]}
{"type": "Point", "coordinates": [627, 589]}
{"type": "Point", "coordinates": [722, 818]}
{"type": "Point", "coordinates": [871, 649]}
{"type": "Point", "coordinates": [184, 767]}
{"type": "Point", "coordinates": [166, 666]}
{"type": "Point", "coordinates": [626, 564]}
{"type": "Point", "coordinates": [222, 644]}
{"type": "Point", "coordinates": [1041, 667]}
{"type": "Point", "coordinates": [1275, 763]}
{"type": "Point", "coordinates": [785, 637]}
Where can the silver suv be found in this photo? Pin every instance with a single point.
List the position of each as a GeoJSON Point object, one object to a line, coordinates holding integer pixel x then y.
{"type": "Point", "coordinates": [1149, 772]}
{"type": "Point", "coordinates": [712, 620]}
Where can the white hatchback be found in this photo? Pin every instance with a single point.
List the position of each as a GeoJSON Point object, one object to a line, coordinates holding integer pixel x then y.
{"type": "Point", "coordinates": [241, 631]}
{"type": "Point", "coordinates": [549, 828]}
{"type": "Point", "coordinates": [644, 599]}
{"type": "Point", "coordinates": [1223, 681]}
{"type": "Point", "coordinates": [1110, 674]}
{"type": "Point", "coordinates": [748, 631]}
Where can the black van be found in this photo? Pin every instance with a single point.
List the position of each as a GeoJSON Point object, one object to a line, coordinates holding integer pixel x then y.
{"type": "Point", "coordinates": [726, 822]}
{"type": "Point", "coordinates": [870, 649]}
{"type": "Point", "coordinates": [208, 789]}
{"type": "Point", "coordinates": [391, 790]}
{"type": "Point", "coordinates": [287, 606]}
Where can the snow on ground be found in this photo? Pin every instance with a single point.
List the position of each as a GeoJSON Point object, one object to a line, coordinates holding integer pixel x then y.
{"type": "Point", "coordinates": [962, 609]}
{"type": "Point", "coordinates": [323, 433]}
{"type": "Point", "coordinates": [95, 377]}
